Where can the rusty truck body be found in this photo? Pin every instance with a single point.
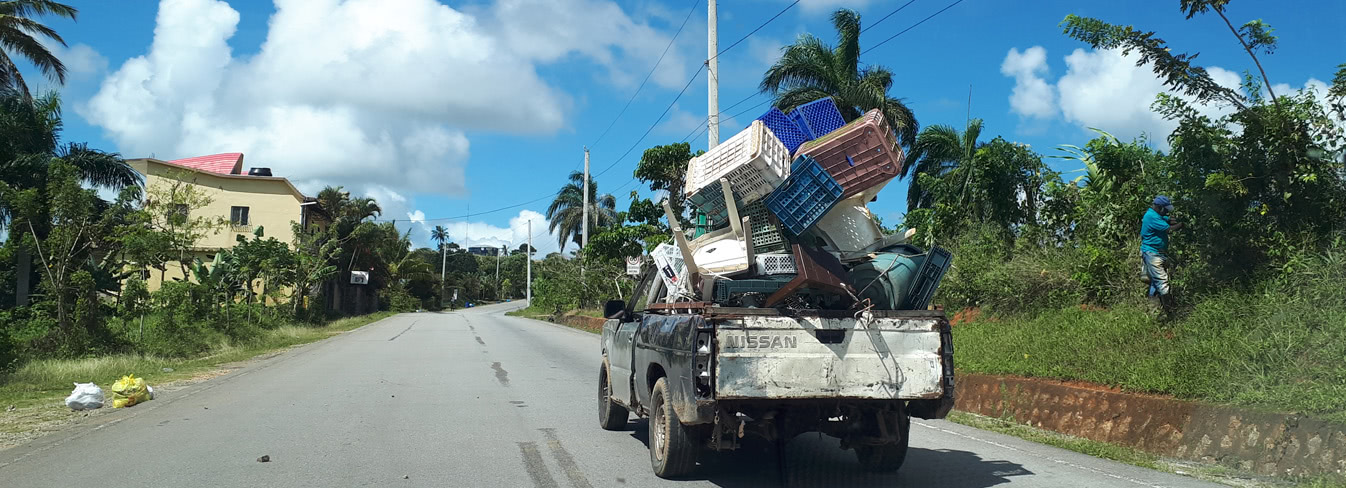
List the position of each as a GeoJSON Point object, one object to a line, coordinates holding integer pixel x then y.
{"type": "Point", "coordinates": [707, 376]}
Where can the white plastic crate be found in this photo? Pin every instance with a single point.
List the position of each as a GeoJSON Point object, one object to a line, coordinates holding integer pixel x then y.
{"type": "Point", "coordinates": [775, 264]}
{"type": "Point", "coordinates": [754, 161]}
{"type": "Point", "coordinates": [669, 263]}
{"type": "Point", "coordinates": [849, 227]}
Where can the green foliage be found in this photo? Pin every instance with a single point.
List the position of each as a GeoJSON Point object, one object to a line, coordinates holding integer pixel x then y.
{"type": "Point", "coordinates": [665, 169]}
{"type": "Point", "coordinates": [810, 69]}
{"type": "Point", "coordinates": [615, 243]}
{"type": "Point", "coordinates": [1177, 70]}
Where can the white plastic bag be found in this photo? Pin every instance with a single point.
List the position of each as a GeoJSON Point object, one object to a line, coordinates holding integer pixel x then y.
{"type": "Point", "coordinates": [87, 396]}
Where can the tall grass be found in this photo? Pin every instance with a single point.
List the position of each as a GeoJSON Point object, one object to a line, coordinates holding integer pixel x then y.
{"type": "Point", "coordinates": [1279, 345]}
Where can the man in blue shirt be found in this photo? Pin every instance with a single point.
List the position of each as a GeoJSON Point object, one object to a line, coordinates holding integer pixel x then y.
{"type": "Point", "coordinates": [1154, 229]}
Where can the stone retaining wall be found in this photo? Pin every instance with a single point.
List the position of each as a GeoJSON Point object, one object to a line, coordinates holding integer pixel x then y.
{"type": "Point", "coordinates": [1265, 443]}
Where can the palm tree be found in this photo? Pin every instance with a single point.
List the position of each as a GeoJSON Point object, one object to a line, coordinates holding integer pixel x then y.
{"type": "Point", "coordinates": [939, 150]}
{"type": "Point", "coordinates": [566, 212]}
{"type": "Point", "coordinates": [30, 142]}
{"type": "Point", "coordinates": [20, 35]}
{"type": "Point", "coordinates": [441, 235]}
{"type": "Point", "coordinates": [809, 69]}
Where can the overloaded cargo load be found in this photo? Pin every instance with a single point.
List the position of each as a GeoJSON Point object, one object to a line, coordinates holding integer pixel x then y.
{"type": "Point", "coordinates": [783, 220]}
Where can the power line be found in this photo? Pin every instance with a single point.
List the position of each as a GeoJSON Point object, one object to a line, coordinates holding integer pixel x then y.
{"type": "Point", "coordinates": [650, 74]}
{"type": "Point", "coordinates": [656, 121]}
{"type": "Point", "coordinates": [722, 112]}
{"type": "Point", "coordinates": [904, 31]}
{"type": "Point", "coordinates": [890, 14]}
{"type": "Point", "coordinates": [754, 31]}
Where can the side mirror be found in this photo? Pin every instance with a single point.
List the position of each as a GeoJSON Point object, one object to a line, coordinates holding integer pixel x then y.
{"type": "Point", "coordinates": [615, 309]}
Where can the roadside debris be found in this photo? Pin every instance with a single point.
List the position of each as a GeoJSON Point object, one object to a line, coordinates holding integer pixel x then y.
{"type": "Point", "coordinates": [129, 391]}
{"type": "Point", "coordinates": [264, 459]}
{"type": "Point", "coordinates": [87, 396]}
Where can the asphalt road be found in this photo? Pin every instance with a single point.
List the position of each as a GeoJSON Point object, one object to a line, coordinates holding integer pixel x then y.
{"type": "Point", "coordinates": [474, 398]}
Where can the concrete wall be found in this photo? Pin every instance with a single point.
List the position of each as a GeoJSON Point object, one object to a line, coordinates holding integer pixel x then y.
{"type": "Point", "coordinates": [1263, 442]}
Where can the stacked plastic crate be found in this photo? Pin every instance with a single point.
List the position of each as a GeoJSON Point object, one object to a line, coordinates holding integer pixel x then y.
{"type": "Point", "coordinates": [804, 180]}
{"type": "Point", "coordinates": [754, 161]}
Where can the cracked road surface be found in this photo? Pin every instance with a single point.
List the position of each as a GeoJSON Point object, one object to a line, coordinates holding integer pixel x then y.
{"type": "Point", "coordinates": [474, 398]}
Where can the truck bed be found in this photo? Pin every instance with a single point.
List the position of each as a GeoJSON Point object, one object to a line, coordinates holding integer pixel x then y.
{"type": "Point", "coordinates": [896, 355]}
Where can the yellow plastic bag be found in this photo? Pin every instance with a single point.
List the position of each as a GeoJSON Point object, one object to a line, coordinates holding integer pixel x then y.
{"type": "Point", "coordinates": [129, 391]}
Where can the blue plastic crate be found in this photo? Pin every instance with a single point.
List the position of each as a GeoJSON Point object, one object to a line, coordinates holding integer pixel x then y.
{"type": "Point", "coordinates": [818, 118]}
{"type": "Point", "coordinates": [805, 196]}
{"type": "Point", "coordinates": [785, 129]}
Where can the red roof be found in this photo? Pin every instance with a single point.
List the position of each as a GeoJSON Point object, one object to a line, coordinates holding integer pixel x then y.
{"type": "Point", "coordinates": [225, 164]}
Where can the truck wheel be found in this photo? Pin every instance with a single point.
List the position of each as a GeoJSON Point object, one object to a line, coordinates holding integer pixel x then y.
{"type": "Point", "coordinates": [611, 416]}
{"type": "Point", "coordinates": [888, 457]}
{"type": "Point", "coordinates": [672, 447]}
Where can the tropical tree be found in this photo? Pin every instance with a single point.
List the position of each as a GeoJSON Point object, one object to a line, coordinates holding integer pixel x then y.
{"type": "Point", "coordinates": [566, 212]}
{"type": "Point", "coordinates": [665, 169]}
{"type": "Point", "coordinates": [400, 264]}
{"type": "Point", "coordinates": [938, 150]}
{"type": "Point", "coordinates": [22, 36]}
{"type": "Point", "coordinates": [30, 142]}
{"type": "Point", "coordinates": [810, 69]}
{"type": "Point", "coordinates": [441, 235]}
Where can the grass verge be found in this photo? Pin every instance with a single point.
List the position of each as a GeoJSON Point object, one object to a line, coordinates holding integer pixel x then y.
{"type": "Point", "coordinates": [1271, 350]}
{"type": "Point", "coordinates": [532, 312]}
{"type": "Point", "coordinates": [31, 396]}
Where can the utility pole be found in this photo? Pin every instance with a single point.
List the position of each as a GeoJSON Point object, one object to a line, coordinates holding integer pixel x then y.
{"type": "Point", "coordinates": [584, 232]}
{"type": "Point", "coordinates": [528, 254]}
{"type": "Point", "coordinates": [713, 78]}
{"type": "Point", "coordinates": [498, 252]}
{"type": "Point", "coordinates": [584, 236]}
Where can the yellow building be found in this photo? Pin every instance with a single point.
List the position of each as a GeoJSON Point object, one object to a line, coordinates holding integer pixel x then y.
{"type": "Point", "coordinates": [247, 200]}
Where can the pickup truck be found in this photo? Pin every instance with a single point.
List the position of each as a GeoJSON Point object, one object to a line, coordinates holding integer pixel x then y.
{"type": "Point", "coordinates": [707, 376]}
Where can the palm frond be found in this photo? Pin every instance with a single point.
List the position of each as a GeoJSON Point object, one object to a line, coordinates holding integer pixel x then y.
{"type": "Point", "coordinates": [98, 168]}
{"type": "Point", "coordinates": [847, 58]}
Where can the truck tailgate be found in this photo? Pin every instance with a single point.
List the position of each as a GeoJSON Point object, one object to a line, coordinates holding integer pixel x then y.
{"type": "Point", "coordinates": [820, 358]}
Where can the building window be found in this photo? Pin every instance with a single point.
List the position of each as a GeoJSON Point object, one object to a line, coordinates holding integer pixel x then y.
{"type": "Point", "coordinates": [238, 215]}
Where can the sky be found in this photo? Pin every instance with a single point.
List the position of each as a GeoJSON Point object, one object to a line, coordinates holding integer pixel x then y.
{"type": "Point", "coordinates": [472, 114]}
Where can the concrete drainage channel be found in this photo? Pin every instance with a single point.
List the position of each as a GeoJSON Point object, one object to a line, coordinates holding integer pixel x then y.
{"type": "Point", "coordinates": [1272, 444]}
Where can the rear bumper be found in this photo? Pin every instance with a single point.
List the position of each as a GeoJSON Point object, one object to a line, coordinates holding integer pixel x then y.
{"type": "Point", "coordinates": [800, 358]}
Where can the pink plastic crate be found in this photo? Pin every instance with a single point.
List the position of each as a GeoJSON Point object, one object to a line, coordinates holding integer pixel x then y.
{"type": "Point", "coordinates": [860, 155]}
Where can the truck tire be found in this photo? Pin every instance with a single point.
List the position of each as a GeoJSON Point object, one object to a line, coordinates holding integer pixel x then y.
{"type": "Point", "coordinates": [673, 448]}
{"type": "Point", "coordinates": [611, 416]}
{"type": "Point", "coordinates": [888, 457]}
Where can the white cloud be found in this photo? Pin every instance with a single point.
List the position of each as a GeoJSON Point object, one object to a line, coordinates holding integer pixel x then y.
{"type": "Point", "coordinates": [81, 60]}
{"type": "Point", "coordinates": [1107, 90]}
{"type": "Point", "coordinates": [549, 30]}
{"type": "Point", "coordinates": [1032, 96]}
{"type": "Point", "coordinates": [358, 92]}
{"type": "Point", "coordinates": [1102, 89]}
{"type": "Point", "coordinates": [468, 234]}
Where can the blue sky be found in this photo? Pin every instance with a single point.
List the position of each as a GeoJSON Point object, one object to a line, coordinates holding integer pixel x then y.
{"type": "Point", "coordinates": [441, 109]}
